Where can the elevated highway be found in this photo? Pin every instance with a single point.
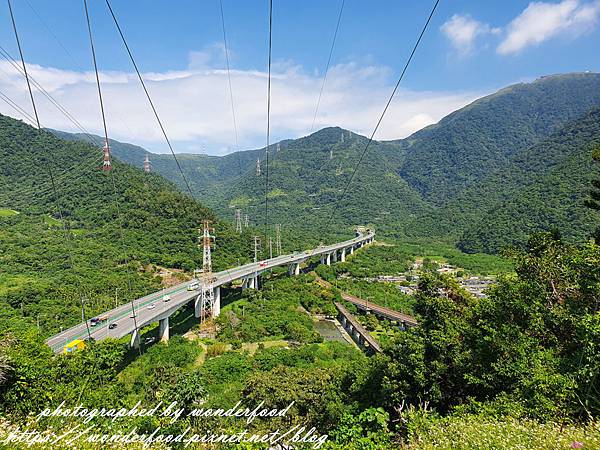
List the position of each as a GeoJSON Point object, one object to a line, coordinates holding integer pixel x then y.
{"type": "Point", "coordinates": [152, 308]}
{"type": "Point", "coordinates": [404, 320]}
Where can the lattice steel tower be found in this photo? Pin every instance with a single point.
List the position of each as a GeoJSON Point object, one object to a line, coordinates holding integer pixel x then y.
{"type": "Point", "coordinates": [206, 278]}
{"type": "Point", "coordinates": [147, 164]}
{"type": "Point", "coordinates": [238, 220]}
{"type": "Point", "coordinates": [278, 239]}
{"type": "Point", "coordinates": [106, 164]}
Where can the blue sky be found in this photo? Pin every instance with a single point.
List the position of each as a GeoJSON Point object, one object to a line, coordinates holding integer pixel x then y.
{"type": "Point", "coordinates": [472, 48]}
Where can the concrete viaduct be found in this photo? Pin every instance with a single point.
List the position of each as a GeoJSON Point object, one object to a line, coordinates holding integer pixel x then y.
{"type": "Point", "coordinates": [130, 318]}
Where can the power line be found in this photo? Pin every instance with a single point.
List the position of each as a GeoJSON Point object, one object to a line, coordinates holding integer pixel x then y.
{"type": "Point", "coordinates": [46, 94]}
{"type": "Point", "coordinates": [16, 107]}
{"type": "Point", "coordinates": [89, 27]}
{"type": "Point", "coordinates": [364, 152]}
{"type": "Point", "coordinates": [239, 158]}
{"type": "Point", "coordinates": [268, 121]}
{"type": "Point", "coordinates": [12, 18]}
{"type": "Point", "coordinates": [49, 166]}
{"type": "Point", "coordinates": [111, 173]}
{"type": "Point", "coordinates": [337, 27]}
{"type": "Point", "coordinates": [162, 128]}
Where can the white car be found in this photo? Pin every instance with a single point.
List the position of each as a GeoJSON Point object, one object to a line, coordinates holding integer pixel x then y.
{"type": "Point", "coordinates": [166, 298]}
{"type": "Point", "coordinates": [193, 286]}
{"type": "Point", "coordinates": [151, 306]}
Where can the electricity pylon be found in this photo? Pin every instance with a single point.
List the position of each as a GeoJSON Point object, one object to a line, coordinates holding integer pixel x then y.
{"type": "Point", "coordinates": [238, 220]}
{"type": "Point", "coordinates": [106, 164]}
{"type": "Point", "coordinates": [206, 279]}
{"type": "Point", "coordinates": [278, 239]}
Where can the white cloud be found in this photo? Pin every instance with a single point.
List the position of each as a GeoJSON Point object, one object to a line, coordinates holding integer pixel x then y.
{"type": "Point", "coordinates": [463, 31]}
{"type": "Point", "coordinates": [195, 109]}
{"type": "Point", "coordinates": [541, 21]}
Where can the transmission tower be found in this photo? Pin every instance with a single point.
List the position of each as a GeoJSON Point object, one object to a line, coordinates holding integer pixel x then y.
{"type": "Point", "coordinates": [331, 153]}
{"type": "Point", "coordinates": [278, 239]}
{"type": "Point", "coordinates": [147, 164]}
{"type": "Point", "coordinates": [238, 220]}
{"type": "Point", "coordinates": [342, 137]}
{"type": "Point", "coordinates": [106, 165]}
{"type": "Point", "coordinates": [257, 249]}
{"type": "Point", "coordinates": [206, 279]}
{"type": "Point", "coordinates": [258, 167]}
{"type": "Point", "coordinates": [278, 147]}
{"type": "Point", "coordinates": [246, 221]}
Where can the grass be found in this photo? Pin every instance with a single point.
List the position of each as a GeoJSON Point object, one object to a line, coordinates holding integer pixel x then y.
{"type": "Point", "coordinates": [8, 212]}
{"type": "Point", "coordinates": [473, 432]}
{"type": "Point", "coordinates": [52, 222]}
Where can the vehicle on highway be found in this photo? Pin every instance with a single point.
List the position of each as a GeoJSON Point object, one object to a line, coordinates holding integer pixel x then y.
{"type": "Point", "coordinates": [73, 346]}
{"type": "Point", "coordinates": [194, 285]}
{"type": "Point", "coordinates": [149, 340]}
{"type": "Point", "coordinates": [262, 264]}
{"type": "Point", "coordinates": [166, 298]}
{"type": "Point", "coordinates": [98, 320]}
{"type": "Point", "coordinates": [151, 306]}
{"type": "Point", "coordinates": [112, 326]}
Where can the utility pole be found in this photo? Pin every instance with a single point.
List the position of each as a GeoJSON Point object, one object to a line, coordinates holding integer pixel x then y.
{"type": "Point", "coordinates": [208, 294]}
{"type": "Point", "coordinates": [270, 248]}
{"type": "Point", "coordinates": [147, 164]}
{"type": "Point", "coordinates": [278, 239]}
{"type": "Point", "coordinates": [246, 221]}
{"type": "Point", "coordinates": [238, 220]}
{"type": "Point", "coordinates": [256, 248]}
{"type": "Point", "coordinates": [258, 167]}
{"type": "Point", "coordinates": [106, 164]}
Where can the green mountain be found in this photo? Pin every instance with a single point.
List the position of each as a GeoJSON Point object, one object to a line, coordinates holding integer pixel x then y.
{"type": "Point", "coordinates": [543, 187]}
{"type": "Point", "coordinates": [447, 181]}
{"type": "Point", "coordinates": [444, 159]}
{"type": "Point", "coordinates": [97, 235]}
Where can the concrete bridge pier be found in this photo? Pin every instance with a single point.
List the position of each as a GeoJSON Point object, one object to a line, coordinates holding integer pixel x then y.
{"type": "Point", "coordinates": [163, 329]}
{"type": "Point", "coordinates": [335, 256]}
{"type": "Point", "coordinates": [294, 269]}
{"type": "Point", "coordinates": [343, 255]}
{"type": "Point", "coordinates": [250, 283]}
{"type": "Point", "coordinates": [135, 339]}
{"type": "Point", "coordinates": [351, 249]}
{"type": "Point", "coordinates": [326, 259]}
{"type": "Point", "coordinates": [216, 309]}
{"type": "Point", "coordinates": [197, 305]}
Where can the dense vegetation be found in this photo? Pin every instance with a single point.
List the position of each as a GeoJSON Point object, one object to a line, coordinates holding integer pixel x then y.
{"type": "Point", "coordinates": [518, 368]}
{"type": "Point", "coordinates": [103, 237]}
{"type": "Point", "coordinates": [490, 174]}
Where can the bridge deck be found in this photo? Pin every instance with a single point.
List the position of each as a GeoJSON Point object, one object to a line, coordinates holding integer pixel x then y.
{"type": "Point", "coordinates": [358, 327]}
{"type": "Point", "coordinates": [151, 308]}
{"type": "Point", "coordinates": [373, 307]}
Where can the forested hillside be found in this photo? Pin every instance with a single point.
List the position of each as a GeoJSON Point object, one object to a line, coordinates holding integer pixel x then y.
{"type": "Point", "coordinates": [485, 176]}
{"type": "Point", "coordinates": [543, 187]}
{"type": "Point", "coordinates": [45, 268]}
{"type": "Point", "coordinates": [443, 159]}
